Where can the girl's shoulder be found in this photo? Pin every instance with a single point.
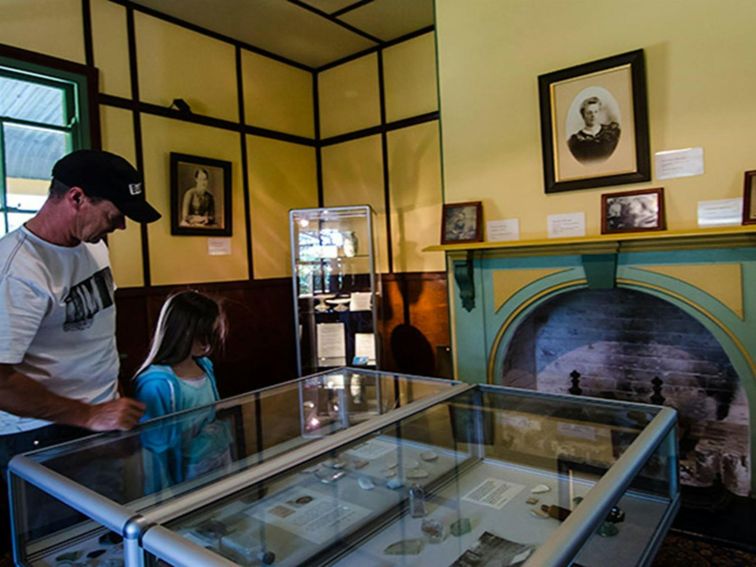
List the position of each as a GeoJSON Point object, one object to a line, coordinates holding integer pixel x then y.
{"type": "Point", "coordinates": [206, 364]}
{"type": "Point", "coordinates": [156, 372]}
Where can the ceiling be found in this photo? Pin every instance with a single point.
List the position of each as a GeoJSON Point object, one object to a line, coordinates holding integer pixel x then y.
{"type": "Point", "coordinates": [311, 32]}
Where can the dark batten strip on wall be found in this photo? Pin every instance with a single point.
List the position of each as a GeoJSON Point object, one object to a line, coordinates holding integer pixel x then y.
{"type": "Point", "coordinates": [86, 19]}
{"type": "Point", "coordinates": [209, 33]}
{"type": "Point", "coordinates": [384, 160]}
{"type": "Point", "coordinates": [351, 7]}
{"type": "Point", "coordinates": [338, 22]}
{"type": "Point", "coordinates": [245, 165]}
{"type": "Point", "coordinates": [373, 130]}
{"type": "Point", "coordinates": [148, 108]}
{"type": "Point", "coordinates": [318, 148]}
{"type": "Point", "coordinates": [138, 151]}
{"type": "Point", "coordinates": [369, 50]}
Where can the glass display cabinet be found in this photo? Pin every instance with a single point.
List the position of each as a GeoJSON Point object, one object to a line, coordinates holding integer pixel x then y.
{"type": "Point", "coordinates": [336, 291]}
{"type": "Point", "coordinates": [436, 473]}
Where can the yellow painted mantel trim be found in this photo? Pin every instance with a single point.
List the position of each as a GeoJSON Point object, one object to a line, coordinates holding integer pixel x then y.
{"type": "Point", "coordinates": [722, 281]}
{"type": "Point", "coordinates": [725, 237]}
{"type": "Point", "coordinates": [508, 282]}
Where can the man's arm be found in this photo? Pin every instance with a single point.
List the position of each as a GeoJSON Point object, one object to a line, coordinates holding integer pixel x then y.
{"type": "Point", "coordinates": [22, 396]}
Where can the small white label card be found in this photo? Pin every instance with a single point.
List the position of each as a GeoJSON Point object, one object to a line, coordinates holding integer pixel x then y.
{"type": "Point", "coordinates": [679, 163]}
{"type": "Point", "coordinates": [503, 230]}
{"type": "Point", "coordinates": [722, 212]}
{"type": "Point", "coordinates": [364, 348]}
{"type": "Point", "coordinates": [360, 301]}
{"type": "Point", "coordinates": [331, 343]}
{"type": "Point", "coordinates": [494, 493]}
{"type": "Point", "coordinates": [566, 225]}
{"type": "Point", "coordinates": [219, 246]}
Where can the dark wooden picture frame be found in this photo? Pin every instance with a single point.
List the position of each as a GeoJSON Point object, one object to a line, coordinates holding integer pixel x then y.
{"type": "Point", "coordinates": [594, 124]}
{"type": "Point", "coordinates": [200, 196]}
{"type": "Point", "coordinates": [633, 211]}
{"type": "Point", "coordinates": [749, 198]}
{"type": "Point", "coordinates": [462, 222]}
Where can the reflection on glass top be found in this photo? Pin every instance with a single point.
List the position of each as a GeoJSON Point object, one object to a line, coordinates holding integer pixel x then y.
{"type": "Point", "coordinates": [175, 454]}
{"type": "Point", "coordinates": [490, 471]}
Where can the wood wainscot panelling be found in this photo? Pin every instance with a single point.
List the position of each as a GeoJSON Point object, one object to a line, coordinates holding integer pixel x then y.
{"type": "Point", "coordinates": [415, 325]}
{"type": "Point", "coordinates": [260, 348]}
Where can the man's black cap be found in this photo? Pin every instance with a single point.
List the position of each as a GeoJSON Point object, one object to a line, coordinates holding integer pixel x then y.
{"type": "Point", "coordinates": [108, 176]}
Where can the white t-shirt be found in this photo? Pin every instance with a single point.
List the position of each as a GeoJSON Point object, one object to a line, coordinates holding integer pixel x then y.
{"type": "Point", "coordinates": [57, 319]}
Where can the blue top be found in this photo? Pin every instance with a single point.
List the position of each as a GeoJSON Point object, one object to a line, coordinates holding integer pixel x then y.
{"type": "Point", "coordinates": [184, 448]}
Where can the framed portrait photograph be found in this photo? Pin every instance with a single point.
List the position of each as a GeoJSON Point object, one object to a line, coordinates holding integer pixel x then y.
{"type": "Point", "coordinates": [200, 196]}
{"type": "Point", "coordinates": [633, 211]}
{"type": "Point", "coordinates": [749, 198]}
{"type": "Point", "coordinates": [594, 124]}
{"type": "Point", "coordinates": [462, 222]}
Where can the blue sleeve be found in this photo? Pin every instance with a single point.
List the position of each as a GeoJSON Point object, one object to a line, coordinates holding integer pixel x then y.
{"type": "Point", "coordinates": [154, 389]}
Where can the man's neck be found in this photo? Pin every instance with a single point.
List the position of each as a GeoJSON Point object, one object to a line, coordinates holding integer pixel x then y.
{"type": "Point", "coordinates": [48, 225]}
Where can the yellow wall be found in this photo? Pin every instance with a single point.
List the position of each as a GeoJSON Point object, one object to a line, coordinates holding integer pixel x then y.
{"type": "Point", "coordinates": [415, 183]}
{"type": "Point", "coordinates": [281, 177]}
{"type": "Point", "coordinates": [699, 58]}
{"type": "Point", "coordinates": [125, 245]}
{"type": "Point", "coordinates": [349, 97]}
{"type": "Point", "coordinates": [409, 73]}
{"type": "Point", "coordinates": [276, 96]}
{"type": "Point", "coordinates": [52, 27]}
{"type": "Point", "coordinates": [353, 175]}
{"type": "Point", "coordinates": [175, 62]}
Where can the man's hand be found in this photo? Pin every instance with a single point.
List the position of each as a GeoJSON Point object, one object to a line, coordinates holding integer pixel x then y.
{"type": "Point", "coordinates": [121, 414]}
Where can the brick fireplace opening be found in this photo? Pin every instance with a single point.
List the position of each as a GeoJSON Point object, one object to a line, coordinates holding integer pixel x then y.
{"type": "Point", "coordinates": [629, 345]}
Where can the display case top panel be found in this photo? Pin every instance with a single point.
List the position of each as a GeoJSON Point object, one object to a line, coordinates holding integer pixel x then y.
{"type": "Point", "coordinates": [489, 472]}
{"type": "Point", "coordinates": [166, 457]}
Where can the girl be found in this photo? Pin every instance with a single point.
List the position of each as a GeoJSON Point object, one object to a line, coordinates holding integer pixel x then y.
{"type": "Point", "coordinates": [178, 375]}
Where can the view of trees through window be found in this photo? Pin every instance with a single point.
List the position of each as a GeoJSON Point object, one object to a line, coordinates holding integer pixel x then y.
{"type": "Point", "coordinates": [38, 125]}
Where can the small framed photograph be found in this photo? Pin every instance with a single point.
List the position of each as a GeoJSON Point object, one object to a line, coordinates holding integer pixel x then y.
{"type": "Point", "coordinates": [594, 124]}
{"type": "Point", "coordinates": [200, 196]}
{"type": "Point", "coordinates": [749, 198]}
{"type": "Point", "coordinates": [462, 222]}
{"type": "Point", "coordinates": [632, 211]}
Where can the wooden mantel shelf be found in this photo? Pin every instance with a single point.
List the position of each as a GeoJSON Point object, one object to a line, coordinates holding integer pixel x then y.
{"type": "Point", "coordinates": [723, 237]}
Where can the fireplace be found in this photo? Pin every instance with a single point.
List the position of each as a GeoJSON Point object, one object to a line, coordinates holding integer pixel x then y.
{"type": "Point", "coordinates": [628, 345]}
{"type": "Point", "coordinates": [668, 318]}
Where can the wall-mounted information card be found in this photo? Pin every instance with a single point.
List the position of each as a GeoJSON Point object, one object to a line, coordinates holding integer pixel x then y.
{"type": "Point", "coordinates": [679, 163]}
{"type": "Point", "coordinates": [503, 230]}
{"type": "Point", "coordinates": [566, 225]}
{"type": "Point", "coordinates": [721, 212]}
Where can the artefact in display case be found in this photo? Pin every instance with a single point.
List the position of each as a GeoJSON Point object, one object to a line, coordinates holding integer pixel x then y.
{"type": "Point", "coordinates": [430, 472]}
{"type": "Point", "coordinates": [336, 291]}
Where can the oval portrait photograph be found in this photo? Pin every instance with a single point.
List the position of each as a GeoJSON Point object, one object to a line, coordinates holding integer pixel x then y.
{"type": "Point", "coordinates": [593, 125]}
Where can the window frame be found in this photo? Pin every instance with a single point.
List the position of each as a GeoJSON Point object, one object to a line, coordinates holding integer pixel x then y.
{"type": "Point", "coordinates": [80, 85]}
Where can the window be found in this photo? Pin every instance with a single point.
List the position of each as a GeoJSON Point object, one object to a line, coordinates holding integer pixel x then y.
{"type": "Point", "coordinates": [42, 118]}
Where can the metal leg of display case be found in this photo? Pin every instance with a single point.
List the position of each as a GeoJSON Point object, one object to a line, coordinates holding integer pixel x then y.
{"type": "Point", "coordinates": [562, 547]}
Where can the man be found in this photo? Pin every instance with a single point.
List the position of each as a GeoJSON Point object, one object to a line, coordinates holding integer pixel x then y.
{"type": "Point", "coordinates": [198, 207]}
{"type": "Point", "coordinates": [58, 357]}
{"type": "Point", "coordinates": [596, 141]}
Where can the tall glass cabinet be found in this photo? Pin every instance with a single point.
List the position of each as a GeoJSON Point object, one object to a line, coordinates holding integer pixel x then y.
{"type": "Point", "coordinates": [336, 290]}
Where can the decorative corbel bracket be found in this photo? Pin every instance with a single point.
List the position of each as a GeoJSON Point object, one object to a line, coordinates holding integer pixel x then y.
{"type": "Point", "coordinates": [463, 275]}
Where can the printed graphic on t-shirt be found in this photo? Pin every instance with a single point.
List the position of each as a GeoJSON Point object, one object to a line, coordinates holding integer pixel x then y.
{"type": "Point", "coordinates": [87, 298]}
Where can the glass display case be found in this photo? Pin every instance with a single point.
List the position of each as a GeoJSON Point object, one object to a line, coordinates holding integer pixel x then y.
{"type": "Point", "coordinates": [429, 472]}
{"type": "Point", "coordinates": [336, 291]}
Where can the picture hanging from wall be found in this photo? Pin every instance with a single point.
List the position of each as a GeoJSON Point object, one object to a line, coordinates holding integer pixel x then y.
{"type": "Point", "coordinates": [200, 196]}
{"type": "Point", "coordinates": [594, 124]}
{"type": "Point", "coordinates": [462, 222]}
{"type": "Point", "coordinates": [749, 198]}
{"type": "Point", "coordinates": [633, 211]}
